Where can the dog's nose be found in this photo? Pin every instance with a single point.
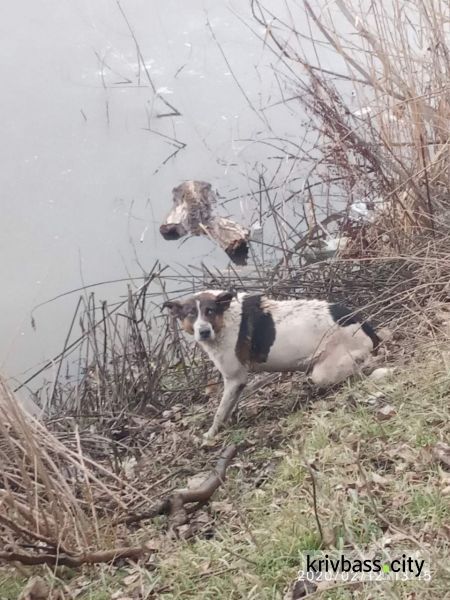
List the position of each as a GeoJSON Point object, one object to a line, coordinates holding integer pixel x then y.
{"type": "Point", "coordinates": [205, 334]}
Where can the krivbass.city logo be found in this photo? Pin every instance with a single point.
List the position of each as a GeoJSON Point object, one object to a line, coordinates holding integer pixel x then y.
{"type": "Point", "coordinates": [317, 566]}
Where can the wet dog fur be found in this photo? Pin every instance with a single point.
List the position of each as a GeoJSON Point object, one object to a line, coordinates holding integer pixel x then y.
{"type": "Point", "coordinates": [252, 333]}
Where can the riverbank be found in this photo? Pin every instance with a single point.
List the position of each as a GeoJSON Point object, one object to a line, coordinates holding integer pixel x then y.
{"type": "Point", "coordinates": [365, 470]}
{"type": "Point", "coordinates": [94, 499]}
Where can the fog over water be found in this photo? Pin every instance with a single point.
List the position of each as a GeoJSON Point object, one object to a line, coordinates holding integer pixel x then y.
{"type": "Point", "coordinates": [83, 184]}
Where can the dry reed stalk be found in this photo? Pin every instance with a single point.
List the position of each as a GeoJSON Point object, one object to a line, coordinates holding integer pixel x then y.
{"type": "Point", "coordinates": [55, 501]}
{"type": "Point", "coordinates": [392, 148]}
{"type": "Point", "coordinates": [393, 145]}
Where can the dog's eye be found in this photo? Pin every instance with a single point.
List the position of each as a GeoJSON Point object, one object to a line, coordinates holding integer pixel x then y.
{"type": "Point", "coordinates": [209, 312]}
{"type": "Point", "coordinates": [192, 313]}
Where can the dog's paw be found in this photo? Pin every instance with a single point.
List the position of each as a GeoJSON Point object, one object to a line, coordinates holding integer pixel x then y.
{"type": "Point", "coordinates": [209, 438]}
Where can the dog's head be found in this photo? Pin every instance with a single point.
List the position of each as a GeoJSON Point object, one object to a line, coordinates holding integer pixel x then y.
{"type": "Point", "coordinates": [202, 314]}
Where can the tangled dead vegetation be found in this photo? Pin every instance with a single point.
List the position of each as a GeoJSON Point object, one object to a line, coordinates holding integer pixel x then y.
{"type": "Point", "coordinates": [55, 500]}
{"type": "Point", "coordinates": [78, 489]}
{"type": "Point", "coordinates": [59, 507]}
{"type": "Point", "coordinates": [118, 439]}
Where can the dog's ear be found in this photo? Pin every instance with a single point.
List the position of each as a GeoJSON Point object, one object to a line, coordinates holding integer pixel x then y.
{"type": "Point", "coordinates": [174, 306]}
{"type": "Point", "coordinates": [223, 300]}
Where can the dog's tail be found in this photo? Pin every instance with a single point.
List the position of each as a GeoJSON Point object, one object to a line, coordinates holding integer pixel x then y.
{"type": "Point", "coordinates": [344, 316]}
{"type": "Point", "coordinates": [370, 332]}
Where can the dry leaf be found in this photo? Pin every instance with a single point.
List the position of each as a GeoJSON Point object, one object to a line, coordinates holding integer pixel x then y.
{"type": "Point", "coordinates": [129, 467]}
{"type": "Point", "coordinates": [391, 539]}
{"type": "Point", "coordinates": [82, 585]}
{"type": "Point", "coordinates": [202, 517]}
{"type": "Point", "coordinates": [205, 567]}
{"type": "Point", "coordinates": [374, 398]}
{"type": "Point", "coordinates": [36, 589]}
{"type": "Point", "coordinates": [153, 545]}
{"type": "Point", "coordinates": [379, 479]}
{"type": "Point", "coordinates": [441, 452]}
{"type": "Point", "coordinates": [221, 506]}
{"type": "Point", "coordinates": [185, 531]}
{"type": "Point", "coordinates": [130, 579]}
{"type": "Point", "coordinates": [406, 453]}
{"type": "Point", "coordinates": [300, 589]}
{"type": "Point", "coordinates": [445, 478]}
{"type": "Point", "coordinates": [382, 373]}
{"type": "Point", "coordinates": [212, 387]}
{"type": "Point", "coordinates": [328, 537]}
{"type": "Point", "coordinates": [386, 412]}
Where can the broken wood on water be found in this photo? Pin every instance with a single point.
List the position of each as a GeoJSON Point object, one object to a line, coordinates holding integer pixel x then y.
{"type": "Point", "coordinates": [193, 213]}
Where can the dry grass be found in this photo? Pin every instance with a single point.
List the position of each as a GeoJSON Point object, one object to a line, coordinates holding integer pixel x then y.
{"type": "Point", "coordinates": [378, 134]}
{"type": "Point", "coordinates": [379, 489]}
{"type": "Point", "coordinates": [56, 502]}
{"type": "Point", "coordinates": [378, 129]}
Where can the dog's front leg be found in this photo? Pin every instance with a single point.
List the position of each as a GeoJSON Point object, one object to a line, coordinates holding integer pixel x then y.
{"type": "Point", "coordinates": [232, 388]}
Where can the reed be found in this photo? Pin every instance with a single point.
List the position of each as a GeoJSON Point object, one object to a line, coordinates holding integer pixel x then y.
{"type": "Point", "coordinates": [376, 135]}
{"type": "Point", "coordinates": [377, 121]}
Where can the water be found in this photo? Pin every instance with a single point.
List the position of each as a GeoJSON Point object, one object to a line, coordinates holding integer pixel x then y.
{"type": "Point", "coordinates": [83, 182]}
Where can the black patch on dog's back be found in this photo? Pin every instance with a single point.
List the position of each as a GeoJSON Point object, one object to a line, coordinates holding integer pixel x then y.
{"type": "Point", "coordinates": [343, 316]}
{"type": "Point", "coordinates": [256, 331]}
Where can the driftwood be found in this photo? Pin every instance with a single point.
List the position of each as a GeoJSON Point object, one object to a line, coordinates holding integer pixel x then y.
{"type": "Point", "coordinates": [175, 504]}
{"type": "Point", "coordinates": [192, 213]}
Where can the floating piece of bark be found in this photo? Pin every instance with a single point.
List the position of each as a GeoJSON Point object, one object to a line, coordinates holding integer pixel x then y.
{"type": "Point", "coordinates": [193, 213]}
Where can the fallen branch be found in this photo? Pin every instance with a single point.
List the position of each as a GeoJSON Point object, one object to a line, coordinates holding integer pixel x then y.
{"type": "Point", "coordinates": [74, 560]}
{"type": "Point", "coordinates": [174, 505]}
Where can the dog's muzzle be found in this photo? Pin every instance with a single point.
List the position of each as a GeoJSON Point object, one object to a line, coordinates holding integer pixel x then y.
{"type": "Point", "coordinates": [204, 333]}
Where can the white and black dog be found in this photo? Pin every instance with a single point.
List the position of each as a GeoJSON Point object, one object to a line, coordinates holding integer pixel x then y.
{"type": "Point", "coordinates": [251, 333]}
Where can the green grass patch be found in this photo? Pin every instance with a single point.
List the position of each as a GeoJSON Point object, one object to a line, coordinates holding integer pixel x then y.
{"type": "Point", "coordinates": [373, 479]}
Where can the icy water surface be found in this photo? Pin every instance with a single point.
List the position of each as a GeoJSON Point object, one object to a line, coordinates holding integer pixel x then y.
{"type": "Point", "coordinates": [87, 135]}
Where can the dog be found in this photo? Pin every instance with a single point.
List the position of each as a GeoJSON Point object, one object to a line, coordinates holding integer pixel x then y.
{"type": "Point", "coordinates": [247, 333]}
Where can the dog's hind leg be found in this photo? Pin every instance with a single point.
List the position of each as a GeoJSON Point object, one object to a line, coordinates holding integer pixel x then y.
{"type": "Point", "coordinates": [232, 388]}
{"type": "Point", "coordinates": [337, 365]}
